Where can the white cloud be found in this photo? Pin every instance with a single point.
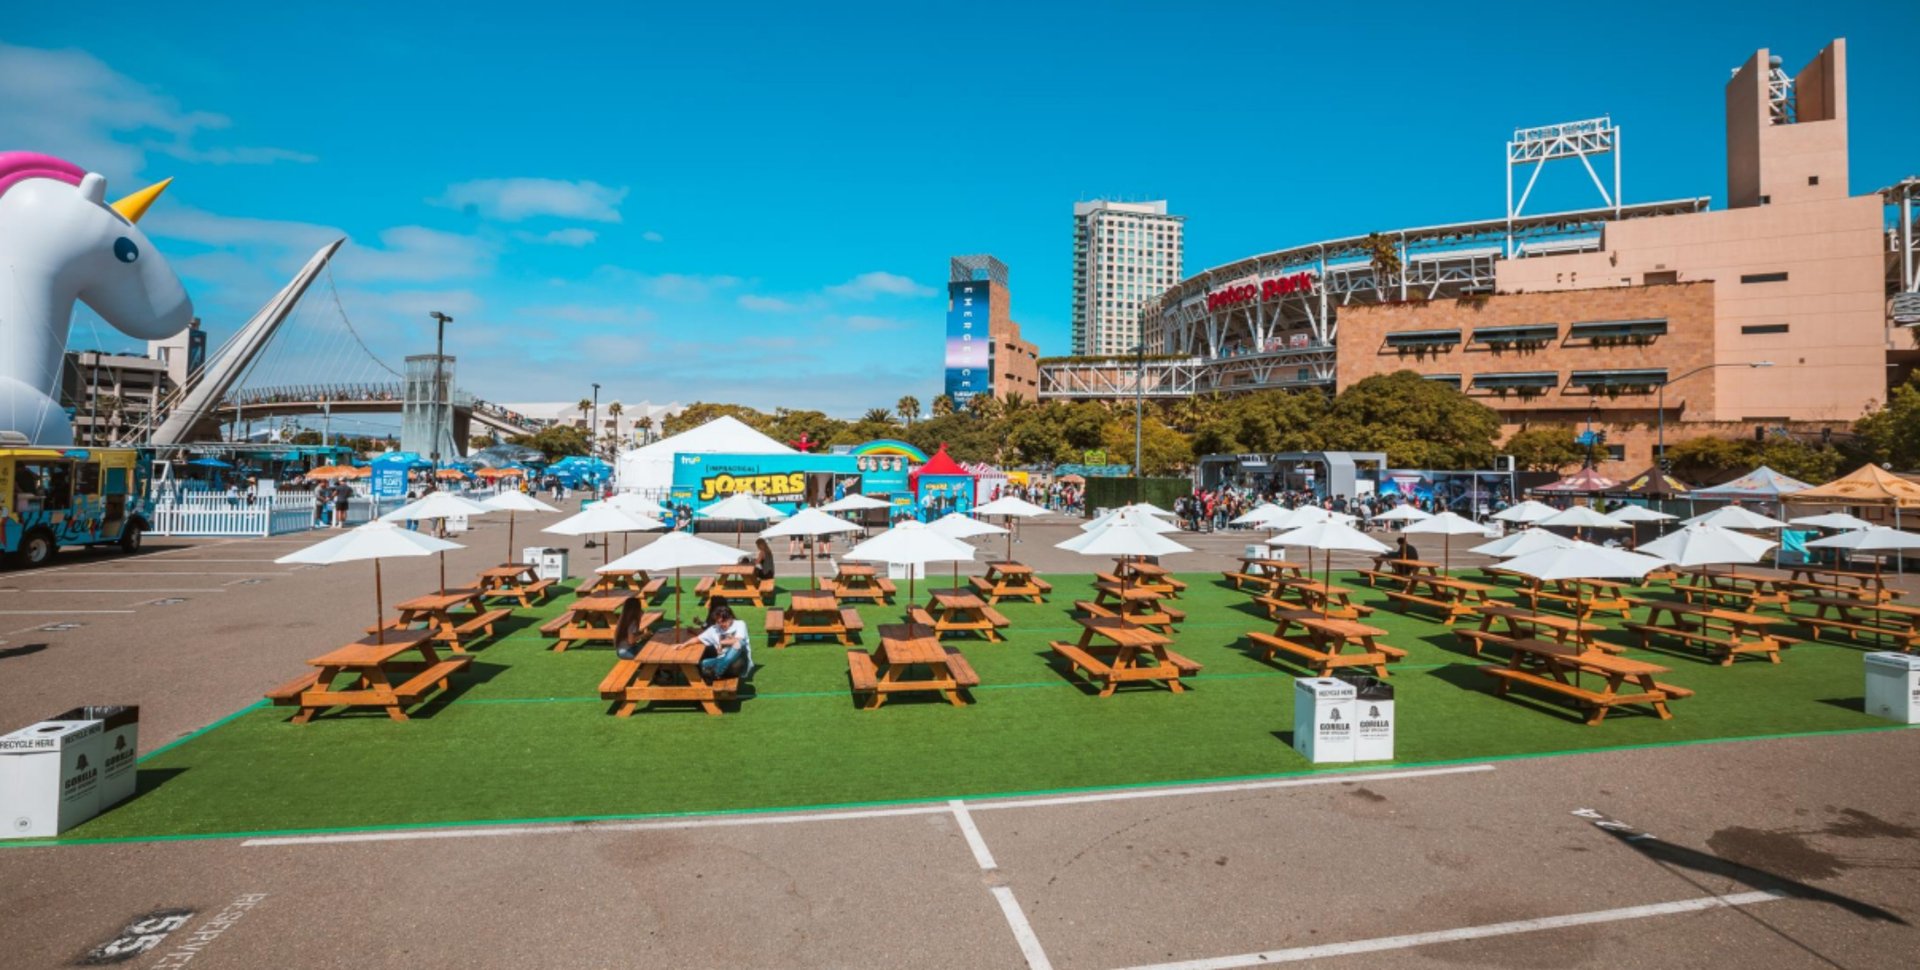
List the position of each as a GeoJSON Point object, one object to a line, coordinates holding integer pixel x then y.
{"type": "Point", "coordinates": [652, 236]}
{"type": "Point", "coordinates": [867, 286]}
{"type": "Point", "coordinates": [867, 324]}
{"type": "Point", "coordinates": [766, 304]}
{"type": "Point", "coordinates": [415, 254]}
{"type": "Point", "coordinates": [588, 313]}
{"type": "Point", "coordinates": [70, 104]}
{"type": "Point", "coordinates": [575, 237]}
{"type": "Point", "coordinates": [511, 200]}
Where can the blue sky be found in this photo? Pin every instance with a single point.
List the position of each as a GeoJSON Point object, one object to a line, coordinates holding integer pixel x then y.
{"type": "Point", "coordinates": [756, 203]}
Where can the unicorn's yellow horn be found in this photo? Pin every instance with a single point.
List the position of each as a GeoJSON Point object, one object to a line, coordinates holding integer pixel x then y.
{"type": "Point", "coordinates": [134, 206]}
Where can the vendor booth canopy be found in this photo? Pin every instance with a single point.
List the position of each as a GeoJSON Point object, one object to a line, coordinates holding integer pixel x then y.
{"type": "Point", "coordinates": [1868, 485]}
{"type": "Point", "coordinates": [650, 468]}
{"type": "Point", "coordinates": [940, 464]}
{"type": "Point", "coordinates": [1586, 481]}
{"type": "Point", "coordinates": [1763, 484]}
{"type": "Point", "coordinates": [1651, 483]}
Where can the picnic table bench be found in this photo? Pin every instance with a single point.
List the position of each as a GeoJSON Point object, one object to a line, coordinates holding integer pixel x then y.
{"type": "Point", "coordinates": [515, 580]}
{"type": "Point", "coordinates": [1880, 620]}
{"type": "Point", "coordinates": [1871, 585]}
{"type": "Point", "coordinates": [597, 619]}
{"type": "Point", "coordinates": [1523, 624]}
{"type": "Point", "coordinates": [373, 666]}
{"type": "Point", "coordinates": [1010, 580]}
{"type": "Point", "coordinates": [1138, 572]}
{"type": "Point", "coordinates": [1327, 641]}
{"type": "Point", "coordinates": [1258, 572]}
{"type": "Point", "coordinates": [735, 583]}
{"type": "Point", "coordinates": [666, 669]}
{"type": "Point", "coordinates": [1583, 597]}
{"type": "Point", "coordinates": [951, 611]}
{"type": "Point", "coordinates": [1131, 654]}
{"type": "Point", "coordinates": [437, 612]}
{"type": "Point", "coordinates": [1556, 668]}
{"type": "Point", "coordinates": [1410, 566]}
{"type": "Point", "coordinates": [1453, 598]}
{"type": "Point", "coordinates": [1142, 607]}
{"type": "Point", "coordinates": [905, 650]}
{"type": "Point", "coordinates": [1722, 634]}
{"type": "Point", "coordinates": [1764, 589]}
{"type": "Point", "coordinates": [813, 613]}
{"type": "Point", "coordinates": [1312, 594]}
{"type": "Point", "coordinates": [859, 582]}
{"type": "Point", "coordinates": [635, 580]}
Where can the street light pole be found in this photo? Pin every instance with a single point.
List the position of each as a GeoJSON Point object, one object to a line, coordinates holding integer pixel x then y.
{"type": "Point", "coordinates": [439, 385]}
{"type": "Point", "coordinates": [1139, 391]}
{"type": "Point", "coordinates": [1660, 405]}
{"type": "Point", "coordinates": [593, 425]}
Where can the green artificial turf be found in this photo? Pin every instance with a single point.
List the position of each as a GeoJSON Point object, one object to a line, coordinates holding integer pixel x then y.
{"type": "Point", "coordinates": [523, 734]}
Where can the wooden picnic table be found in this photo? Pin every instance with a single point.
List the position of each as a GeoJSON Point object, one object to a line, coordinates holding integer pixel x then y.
{"type": "Point", "coordinates": [438, 612]}
{"type": "Point", "coordinates": [513, 580]}
{"type": "Point", "coordinates": [635, 581]}
{"type": "Point", "coordinates": [374, 667]}
{"type": "Point", "coordinates": [1336, 601]}
{"type": "Point", "coordinates": [1327, 641]}
{"type": "Point", "coordinates": [594, 619]}
{"type": "Point", "coordinates": [857, 581]}
{"type": "Point", "coordinates": [1010, 580]}
{"type": "Point", "coordinates": [1725, 634]}
{"type": "Point", "coordinates": [1761, 588]}
{"type": "Point", "coordinates": [1556, 668]}
{"type": "Point", "coordinates": [1517, 623]}
{"type": "Point", "coordinates": [667, 669]}
{"type": "Point", "coordinates": [813, 613]}
{"type": "Point", "coordinates": [1135, 604]}
{"type": "Point", "coordinates": [1869, 584]}
{"type": "Point", "coordinates": [1130, 654]}
{"type": "Point", "coordinates": [907, 650]}
{"type": "Point", "coordinates": [1880, 620]}
{"type": "Point", "coordinates": [1584, 597]}
{"type": "Point", "coordinates": [737, 582]}
{"type": "Point", "coordinates": [1139, 572]}
{"type": "Point", "coordinates": [1414, 566]}
{"type": "Point", "coordinates": [1453, 598]}
{"type": "Point", "coordinates": [1259, 572]}
{"type": "Point", "coordinates": [951, 611]}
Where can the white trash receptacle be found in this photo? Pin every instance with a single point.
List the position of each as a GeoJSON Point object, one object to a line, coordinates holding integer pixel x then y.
{"type": "Point", "coordinates": [1893, 686]}
{"type": "Point", "coordinates": [1372, 718]}
{"type": "Point", "coordinates": [548, 562]}
{"type": "Point", "coordinates": [119, 748]}
{"type": "Point", "coordinates": [456, 523]}
{"type": "Point", "coordinates": [1323, 719]}
{"type": "Point", "coordinates": [902, 570]}
{"type": "Point", "coordinates": [49, 778]}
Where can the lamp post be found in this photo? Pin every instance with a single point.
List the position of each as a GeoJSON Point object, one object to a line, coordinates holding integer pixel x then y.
{"type": "Point", "coordinates": [1139, 391]}
{"type": "Point", "coordinates": [1660, 463]}
{"type": "Point", "coordinates": [593, 425]}
{"type": "Point", "coordinates": [440, 321]}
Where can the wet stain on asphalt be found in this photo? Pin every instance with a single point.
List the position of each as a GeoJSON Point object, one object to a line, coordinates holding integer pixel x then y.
{"type": "Point", "coordinates": [1784, 854]}
{"type": "Point", "coordinates": [1368, 794]}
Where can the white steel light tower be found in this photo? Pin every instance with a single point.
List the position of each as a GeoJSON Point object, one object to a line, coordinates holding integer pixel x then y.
{"type": "Point", "coordinates": [1574, 139]}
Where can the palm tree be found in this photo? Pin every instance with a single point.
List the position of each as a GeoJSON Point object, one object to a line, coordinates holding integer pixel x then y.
{"type": "Point", "coordinates": [908, 408]}
{"type": "Point", "coordinates": [645, 427]}
{"type": "Point", "coordinates": [585, 407]}
{"type": "Point", "coordinates": [943, 405]}
{"type": "Point", "coordinates": [986, 407]}
{"type": "Point", "coordinates": [877, 416]}
{"type": "Point", "coordinates": [613, 411]}
{"type": "Point", "coordinates": [1012, 403]}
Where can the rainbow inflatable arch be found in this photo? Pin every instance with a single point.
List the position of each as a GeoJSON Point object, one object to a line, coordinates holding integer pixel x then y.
{"type": "Point", "coordinates": [891, 447]}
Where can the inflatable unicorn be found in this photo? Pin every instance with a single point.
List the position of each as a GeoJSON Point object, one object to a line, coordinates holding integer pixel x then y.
{"type": "Point", "coordinates": [59, 242]}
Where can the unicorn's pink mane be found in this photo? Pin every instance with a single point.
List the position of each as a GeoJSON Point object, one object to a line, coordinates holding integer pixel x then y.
{"type": "Point", "coordinates": [20, 166]}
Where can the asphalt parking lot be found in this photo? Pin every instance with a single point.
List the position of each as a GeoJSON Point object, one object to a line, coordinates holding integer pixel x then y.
{"type": "Point", "coordinates": [1788, 852]}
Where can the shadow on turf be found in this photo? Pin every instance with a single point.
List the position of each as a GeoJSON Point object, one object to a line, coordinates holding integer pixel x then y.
{"type": "Point", "coordinates": [1468, 677]}
{"type": "Point", "coordinates": [476, 673]}
{"type": "Point", "coordinates": [1855, 704]}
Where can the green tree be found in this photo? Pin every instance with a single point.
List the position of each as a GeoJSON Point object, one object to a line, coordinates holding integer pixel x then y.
{"type": "Point", "coordinates": [943, 405]}
{"type": "Point", "coordinates": [585, 407]}
{"type": "Point", "coordinates": [701, 412]}
{"type": "Point", "coordinates": [877, 416]}
{"type": "Point", "coordinates": [645, 428]}
{"type": "Point", "coordinates": [305, 436]}
{"type": "Point", "coordinates": [986, 407]}
{"type": "Point", "coordinates": [908, 408]}
{"type": "Point", "coordinates": [1419, 423]}
{"type": "Point", "coordinates": [614, 411]}
{"type": "Point", "coordinates": [558, 441]}
{"type": "Point", "coordinates": [966, 439]}
{"type": "Point", "coordinates": [1709, 459]}
{"type": "Point", "coordinates": [1800, 459]}
{"type": "Point", "coordinates": [1035, 437]}
{"type": "Point", "coordinates": [788, 426]}
{"type": "Point", "coordinates": [1547, 448]}
{"type": "Point", "coordinates": [475, 443]}
{"type": "Point", "coordinates": [1162, 449]}
{"type": "Point", "coordinates": [1891, 435]}
{"type": "Point", "coordinates": [1265, 422]}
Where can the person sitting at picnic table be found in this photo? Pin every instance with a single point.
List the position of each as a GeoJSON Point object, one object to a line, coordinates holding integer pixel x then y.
{"type": "Point", "coordinates": [763, 560]}
{"type": "Point", "coordinates": [627, 633]}
{"type": "Point", "coordinates": [727, 642]}
{"type": "Point", "coordinates": [1402, 550]}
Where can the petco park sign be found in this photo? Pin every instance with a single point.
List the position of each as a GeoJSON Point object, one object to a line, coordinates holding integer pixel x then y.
{"type": "Point", "coordinates": [1267, 289]}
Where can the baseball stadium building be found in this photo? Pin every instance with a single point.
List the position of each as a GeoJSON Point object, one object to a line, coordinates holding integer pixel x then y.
{"type": "Point", "coordinates": [1787, 308]}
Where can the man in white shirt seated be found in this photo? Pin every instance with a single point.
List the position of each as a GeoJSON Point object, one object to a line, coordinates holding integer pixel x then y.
{"type": "Point", "coordinates": [727, 640]}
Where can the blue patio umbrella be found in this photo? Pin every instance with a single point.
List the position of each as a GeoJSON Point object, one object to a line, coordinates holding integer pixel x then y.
{"type": "Point", "coordinates": [209, 463]}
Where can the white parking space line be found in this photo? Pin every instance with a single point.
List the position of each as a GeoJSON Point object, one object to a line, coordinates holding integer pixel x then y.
{"type": "Point", "coordinates": [58, 612]}
{"type": "Point", "coordinates": [729, 821]}
{"type": "Point", "coordinates": [974, 841]}
{"type": "Point", "coordinates": [156, 589]}
{"type": "Point", "coordinates": [1378, 944]}
{"type": "Point", "coordinates": [1022, 930]}
{"type": "Point", "coordinates": [178, 572]}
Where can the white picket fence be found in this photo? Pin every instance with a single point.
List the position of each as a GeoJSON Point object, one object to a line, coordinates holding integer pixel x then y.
{"type": "Point", "coordinates": [204, 513]}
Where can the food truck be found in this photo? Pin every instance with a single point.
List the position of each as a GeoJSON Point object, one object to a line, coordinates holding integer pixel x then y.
{"type": "Point", "coordinates": [53, 497]}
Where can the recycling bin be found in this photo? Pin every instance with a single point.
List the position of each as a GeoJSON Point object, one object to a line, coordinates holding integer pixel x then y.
{"type": "Point", "coordinates": [1372, 718]}
{"type": "Point", "coordinates": [1323, 719]}
{"type": "Point", "coordinates": [548, 562]}
{"type": "Point", "coordinates": [49, 777]}
{"type": "Point", "coordinates": [119, 748]}
{"type": "Point", "coordinates": [1893, 686]}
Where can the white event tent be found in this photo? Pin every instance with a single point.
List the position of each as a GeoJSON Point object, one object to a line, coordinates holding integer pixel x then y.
{"type": "Point", "coordinates": [649, 469]}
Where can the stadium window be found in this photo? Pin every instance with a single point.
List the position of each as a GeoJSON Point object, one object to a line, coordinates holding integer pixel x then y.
{"type": "Point", "coordinates": [1779, 277]}
{"type": "Point", "coordinates": [1764, 328]}
{"type": "Point", "coordinates": [1617, 452]}
{"type": "Point", "coordinates": [1813, 180]}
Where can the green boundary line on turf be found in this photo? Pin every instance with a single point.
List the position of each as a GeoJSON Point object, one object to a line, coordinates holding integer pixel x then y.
{"type": "Point", "coordinates": [190, 735]}
{"type": "Point", "coordinates": [1370, 768]}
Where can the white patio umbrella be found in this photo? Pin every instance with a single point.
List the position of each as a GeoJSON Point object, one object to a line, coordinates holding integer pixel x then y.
{"type": "Point", "coordinates": [1582, 517]}
{"type": "Point", "coordinates": [1140, 519]}
{"type": "Point", "coordinates": [855, 502]}
{"type": "Point", "coordinates": [675, 551]}
{"type": "Point", "coordinates": [1446, 525]}
{"type": "Point", "coordinates": [1877, 538]}
{"type": "Point", "coordinates": [1010, 507]}
{"type": "Point", "coordinates": [1708, 545]}
{"type": "Point", "coordinates": [1306, 515]}
{"type": "Point", "coordinates": [375, 540]}
{"type": "Point", "coordinates": [1127, 534]}
{"type": "Point", "coordinates": [1584, 560]}
{"type": "Point", "coordinates": [809, 522]}
{"type": "Point", "coordinates": [1631, 514]}
{"type": "Point", "coordinates": [635, 502]}
{"type": "Point", "coordinates": [602, 519]}
{"type": "Point", "coordinates": [1328, 536]}
{"type": "Point", "coordinates": [1404, 512]}
{"type": "Point", "coordinates": [1736, 517]}
{"type": "Point", "coordinates": [740, 507]}
{"type": "Point", "coordinates": [957, 525]}
{"type": "Point", "coordinates": [1837, 521]}
{"type": "Point", "coordinates": [1525, 512]}
{"type": "Point", "coordinates": [515, 501]}
{"type": "Point", "coordinates": [911, 544]}
{"type": "Point", "coordinates": [437, 505]}
{"type": "Point", "coordinates": [1258, 515]}
{"type": "Point", "coordinates": [1521, 543]}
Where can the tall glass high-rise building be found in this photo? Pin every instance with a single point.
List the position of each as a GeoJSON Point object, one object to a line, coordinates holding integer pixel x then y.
{"type": "Point", "coordinates": [1124, 254]}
